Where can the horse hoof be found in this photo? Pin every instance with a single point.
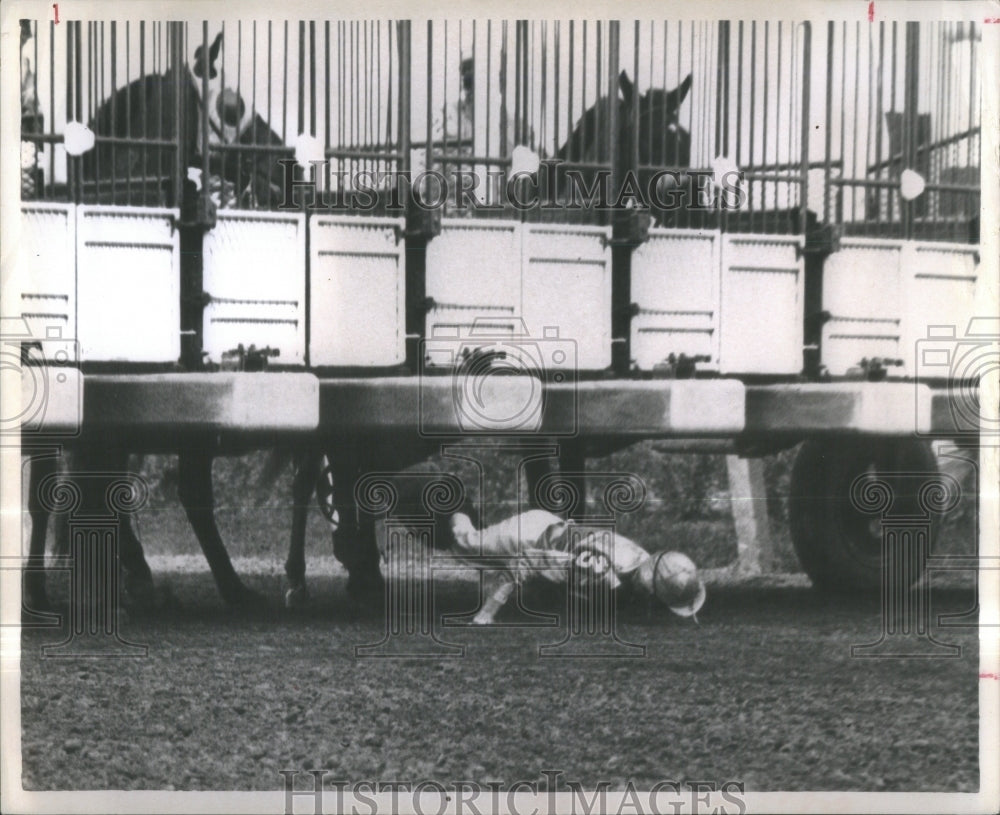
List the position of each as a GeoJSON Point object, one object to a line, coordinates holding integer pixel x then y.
{"type": "Point", "coordinates": [297, 596]}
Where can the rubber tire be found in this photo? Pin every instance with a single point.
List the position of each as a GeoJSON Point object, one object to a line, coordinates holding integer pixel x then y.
{"type": "Point", "coordinates": [838, 546]}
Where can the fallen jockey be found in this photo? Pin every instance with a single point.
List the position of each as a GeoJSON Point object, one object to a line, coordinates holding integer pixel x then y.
{"type": "Point", "coordinates": [539, 544]}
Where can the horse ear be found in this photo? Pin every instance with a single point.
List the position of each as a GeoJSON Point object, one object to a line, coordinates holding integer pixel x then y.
{"type": "Point", "coordinates": [213, 52]}
{"type": "Point", "coordinates": [626, 85]}
{"type": "Point", "coordinates": [682, 90]}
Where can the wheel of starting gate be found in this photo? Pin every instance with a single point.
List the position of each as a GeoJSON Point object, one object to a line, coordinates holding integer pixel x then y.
{"type": "Point", "coordinates": [839, 544]}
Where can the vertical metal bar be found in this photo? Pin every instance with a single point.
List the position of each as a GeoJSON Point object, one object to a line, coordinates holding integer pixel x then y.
{"type": "Point", "coordinates": [556, 59]}
{"type": "Point", "coordinates": [854, 142]}
{"type": "Point", "coordinates": [142, 103]}
{"type": "Point", "coordinates": [828, 136]}
{"type": "Point", "coordinates": [569, 106]}
{"type": "Point", "coordinates": [341, 120]}
{"type": "Point", "coordinates": [205, 182]}
{"type": "Point", "coordinates": [973, 140]}
{"type": "Point", "coordinates": [93, 75]}
{"type": "Point", "coordinates": [523, 73]}
{"type": "Point", "coordinates": [300, 121]}
{"type": "Point", "coordinates": [430, 95]}
{"type": "Point", "coordinates": [326, 86]}
{"type": "Point", "coordinates": [621, 254]}
{"type": "Point", "coordinates": [114, 103]}
{"type": "Point", "coordinates": [753, 107]}
{"type": "Point", "coordinates": [403, 118]}
{"type": "Point", "coordinates": [489, 90]}
{"type": "Point", "coordinates": [176, 66]}
{"type": "Point", "coordinates": [270, 118]}
{"type": "Point", "coordinates": [52, 99]}
{"type": "Point", "coordinates": [517, 82]}
{"type": "Point", "coordinates": [71, 80]}
{"type": "Point", "coordinates": [161, 128]}
{"type": "Point", "coordinates": [444, 91]}
{"type": "Point", "coordinates": [128, 119]}
{"type": "Point", "coordinates": [806, 74]}
{"type": "Point", "coordinates": [613, 130]}
{"type": "Point", "coordinates": [78, 67]}
{"type": "Point", "coordinates": [633, 162]}
{"type": "Point", "coordinates": [739, 95]}
{"type": "Point", "coordinates": [312, 77]}
{"type": "Point", "coordinates": [910, 114]}
{"type": "Point", "coordinates": [252, 164]}
{"type": "Point", "coordinates": [880, 114]}
{"type": "Point", "coordinates": [284, 85]}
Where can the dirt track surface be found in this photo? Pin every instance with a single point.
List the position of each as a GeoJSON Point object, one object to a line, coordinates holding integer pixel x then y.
{"type": "Point", "coordinates": [763, 691]}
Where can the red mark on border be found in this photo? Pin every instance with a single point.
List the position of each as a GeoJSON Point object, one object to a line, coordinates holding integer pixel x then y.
{"type": "Point", "coordinates": [992, 20]}
{"type": "Point", "coordinates": [55, 7]}
{"type": "Point", "coordinates": [871, 11]}
{"type": "Point", "coordinates": [989, 676]}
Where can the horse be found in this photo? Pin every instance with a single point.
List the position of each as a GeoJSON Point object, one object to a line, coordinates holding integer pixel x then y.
{"type": "Point", "coordinates": [134, 111]}
{"type": "Point", "coordinates": [664, 148]}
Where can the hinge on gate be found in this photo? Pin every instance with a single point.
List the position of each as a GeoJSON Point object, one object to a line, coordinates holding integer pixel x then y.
{"type": "Point", "coordinates": [197, 210]}
{"type": "Point", "coordinates": [201, 299]}
{"type": "Point", "coordinates": [630, 229]}
{"type": "Point", "coordinates": [247, 359]}
{"type": "Point", "coordinates": [423, 224]}
{"type": "Point", "coordinates": [823, 239]}
{"type": "Point", "coordinates": [875, 369]}
{"type": "Point", "coordinates": [679, 366]}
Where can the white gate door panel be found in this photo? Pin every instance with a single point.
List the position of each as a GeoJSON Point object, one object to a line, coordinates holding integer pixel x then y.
{"type": "Point", "coordinates": [474, 278]}
{"type": "Point", "coordinates": [941, 280]}
{"type": "Point", "coordinates": [357, 303]}
{"type": "Point", "coordinates": [46, 269]}
{"type": "Point", "coordinates": [863, 292]}
{"type": "Point", "coordinates": [761, 314]}
{"type": "Point", "coordinates": [255, 273]}
{"type": "Point", "coordinates": [566, 289]}
{"type": "Point", "coordinates": [128, 284]}
{"type": "Point", "coordinates": [675, 285]}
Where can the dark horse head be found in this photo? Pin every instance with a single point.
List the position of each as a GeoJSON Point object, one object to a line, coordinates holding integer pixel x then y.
{"type": "Point", "coordinates": [664, 147]}
{"type": "Point", "coordinates": [137, 168]}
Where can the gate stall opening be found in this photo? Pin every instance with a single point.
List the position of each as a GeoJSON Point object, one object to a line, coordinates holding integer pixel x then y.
{"type": "Point", "coordinates": [901, 181]}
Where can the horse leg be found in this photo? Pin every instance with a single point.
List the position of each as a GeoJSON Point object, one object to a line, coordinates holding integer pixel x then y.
{"type": "Point", "coordinates": [307, 471]}
{"type": "Point", "coordinates": [354, 541]}
{"type": "Point", "coordinates": [35, 596]}
{"type": "Point", "coordinates": [195, 492]}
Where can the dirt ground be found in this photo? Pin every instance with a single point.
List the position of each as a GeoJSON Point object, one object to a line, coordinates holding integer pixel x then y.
{"type": "Point", "coordinates": [763, 690]}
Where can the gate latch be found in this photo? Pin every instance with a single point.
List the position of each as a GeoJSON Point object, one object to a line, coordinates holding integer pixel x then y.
{"type": "Point", "coordinates": [247, 359]}
{"type": "Point", "coordinates": [679, 366]}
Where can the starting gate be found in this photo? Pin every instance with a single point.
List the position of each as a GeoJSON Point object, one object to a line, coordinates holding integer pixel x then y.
{"type": "Point", "coordinates": [194, 188]}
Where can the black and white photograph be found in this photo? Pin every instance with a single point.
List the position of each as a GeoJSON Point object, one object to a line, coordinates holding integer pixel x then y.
{"type": "Point", "coordinates": [484, 408]}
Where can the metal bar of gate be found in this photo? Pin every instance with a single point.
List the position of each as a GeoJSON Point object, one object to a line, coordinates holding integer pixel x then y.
{"type": "Point", "coordinates": [910, 103]}
{"type": "Point", "coordinates": [806, 74]}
